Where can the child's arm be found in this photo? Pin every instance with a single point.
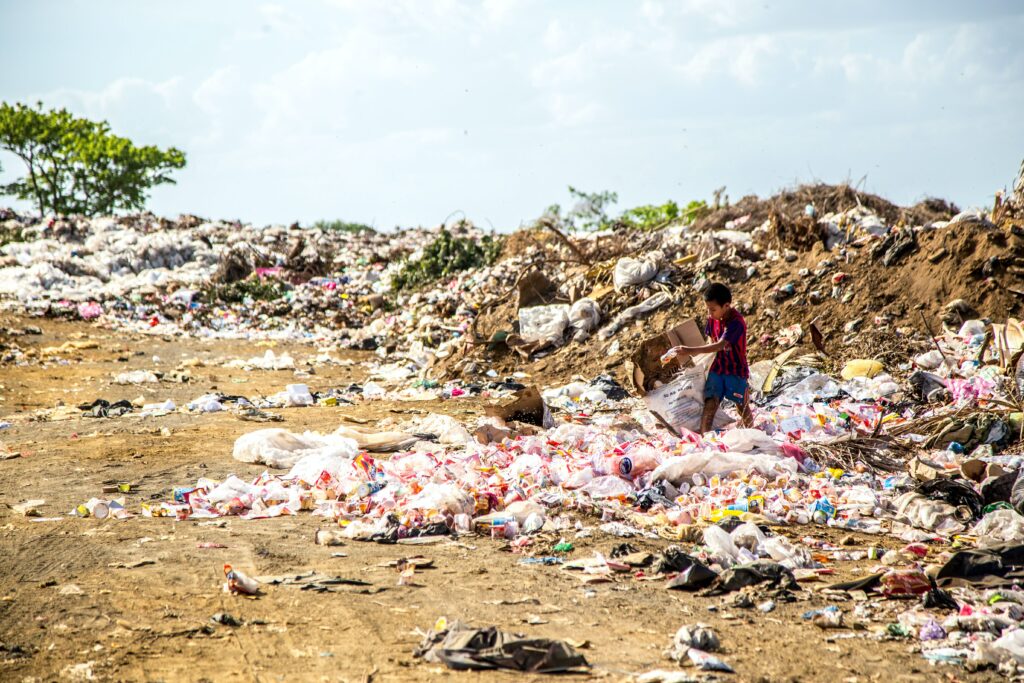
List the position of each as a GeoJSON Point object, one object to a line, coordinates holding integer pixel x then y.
{"type": "Point", "coordinates": [694, 350]}
{"type": "Point", "coordinates": [707, 348]}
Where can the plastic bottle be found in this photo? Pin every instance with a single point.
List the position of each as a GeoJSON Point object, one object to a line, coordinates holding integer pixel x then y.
{"type": "Point", "coordinates": [368, 488]}
{"type": "Point", "coordinates": [633, 465]}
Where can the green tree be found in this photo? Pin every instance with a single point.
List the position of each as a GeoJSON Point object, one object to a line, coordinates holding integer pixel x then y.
{"type": "Point", "coordinates": [444, 257]}
{"type": "Point", "coordinates": [77, 166]}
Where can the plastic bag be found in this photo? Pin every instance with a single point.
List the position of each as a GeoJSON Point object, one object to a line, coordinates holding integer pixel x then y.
{"type": "Point", "coordinates": [721, 545]}
{"type": "Point", "coordinates": [631, 271]}
{"type": "Point", "coordinates": [298, 395]}
{"type": "Point", "coordinates": [208, 403]}
{"type": "Point", "coordinates": [136, 377]}
{"type": "Point", "coordinates": [607, 487]}
{"type": "Point", "coordinates": [925, 513]}
{"type": "Point", "coordinates": [749, 536]}
{"type": "Point", "coordinates": [442, 498]}
{"type": "Point", "coordinates": [861, 367]}
{"type": "Point", "coordinates": [447, 429]}
{"type": "Point", "coordinates": [785, 553]}
{"type": "Point", "coordinates": [280, 448]}
{"type": "Point", "coordinates": [584, 317]}
{"type": "Point", "coordinates": [929, 360]}
{"type": "Point", "coordinates": [999, 526]}
{"type": "Point", "coordinates": [680, 403]}
{"type": "Point", "coordinates": [232, 487]}
{"type": "Point", "coordinates": [633, 312]}
{"type": "Point", "coordinates": [544, 323]}
{"type": "Point", "coordinates": [681, 467]}
{"type": "Point", "coordinates": [750, 441]}
{"type": "Point", "coordinates": [335, 461]}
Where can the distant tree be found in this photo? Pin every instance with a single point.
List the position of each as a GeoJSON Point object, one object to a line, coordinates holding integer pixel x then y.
{"type": "Point", "coordinates": [77, 166]}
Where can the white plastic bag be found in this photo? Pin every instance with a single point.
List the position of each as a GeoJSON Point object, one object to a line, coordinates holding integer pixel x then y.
{"type": "Point", "coordinates": [999, 526]}
{"type": "Point", "coordinates": [607, 487]}
{"type": "Point", "coordinates": [442, 498]}
{"type": "Point", "coordinates": [721, 545]}
{"type": "Point", "coordinates": [785, 553]}
{"type": "Point", "coordinates": [749, 536]}
{"type": "Point", "coordinates": [750, 441]}
{"type": "Point", "coordinates": [584, 317]}
{"type": "Point", "coordinates": [633, 312]}
{"type": "Point", "coordinates": [136, 377]}
{"type": "Point", "coordinates": [447, 429]}
{"type": "Point", "coordinates": [680, 403]}
{"type": "Point", "coordinates": [280, 448]}
{"type": "Point", "coordinates": [631, 271]}
{"type": "Point", "coordinates": [333, 459]}
{"type": "Point", "coordinates": [544, 323]}
{"type": "Point", "coordinates": [232, 487]}
{"type": "Point", "coordinates": [681, 467]}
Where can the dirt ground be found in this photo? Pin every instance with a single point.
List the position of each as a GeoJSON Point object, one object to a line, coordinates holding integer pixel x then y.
{"type": "Point", "coordinates": [76, 600]}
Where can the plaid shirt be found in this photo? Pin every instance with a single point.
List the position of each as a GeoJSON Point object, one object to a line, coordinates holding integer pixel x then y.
{"type": "Point", "coordinates": [732, 360]}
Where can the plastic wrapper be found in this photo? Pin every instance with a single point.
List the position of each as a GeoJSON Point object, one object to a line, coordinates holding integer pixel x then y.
{"type": "Point", "coordinates": [544, 324]}
{"type": "Point", "coordinates": [999, 526]}
{"type": "Point", "coordinates": [280, 448]}
{"type": "Point", "coordinates": [584, 317]}
{"type": "Point", "coordinates": [681, 467]}
{"type": "Point", "coordinates": [632, 272]}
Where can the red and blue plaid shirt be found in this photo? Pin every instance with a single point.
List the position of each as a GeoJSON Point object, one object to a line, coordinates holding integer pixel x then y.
{"type": "Point", "coordinates": [732, 360]}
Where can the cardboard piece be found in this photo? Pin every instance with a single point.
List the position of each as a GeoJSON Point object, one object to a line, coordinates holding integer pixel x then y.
{"type": "Point", "coordinates": [679, 404]}
{"type": "Point", "coordinates": [526, 406]}
{"type": "Point", "coordinates": [647, 367]}
{"type": "Point", "coordinates": [674, 393]}
{"type": "Point", "coordinates": [536, 289]}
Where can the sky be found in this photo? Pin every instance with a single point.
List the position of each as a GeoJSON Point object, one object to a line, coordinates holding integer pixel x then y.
{"type": "Point", "coordinates": [406, 112]}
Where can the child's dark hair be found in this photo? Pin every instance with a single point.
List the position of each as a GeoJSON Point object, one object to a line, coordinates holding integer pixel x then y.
{"type": "Point", "coordinates": [718, 293]}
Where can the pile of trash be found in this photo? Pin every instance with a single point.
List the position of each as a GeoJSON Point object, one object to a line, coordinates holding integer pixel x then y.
{"type": "Point", "coordinates": [821, 262]}
{"type": "Point", "coordinates": [866, 417]}
{"type": "Point", "coordinates": [931, 460]}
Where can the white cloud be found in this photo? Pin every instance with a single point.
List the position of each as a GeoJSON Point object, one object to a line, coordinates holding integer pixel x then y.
{"type": "Point", "coordinates": [280, 19]}
{"type": "Point", "coordinates": [219, 90]}
{"type": "Point", "coordinates": [118, 95]}
{"type": "Point", "coordinates": [317, 92]}
{"type": "Point", "coordinates": [744, 59]}
{"type": "Point", "coordinates": [717, 13]}
{"type": "Point", "coordinates": [568, 110]}
{"type": "Point", "coordinates": [554, 35]}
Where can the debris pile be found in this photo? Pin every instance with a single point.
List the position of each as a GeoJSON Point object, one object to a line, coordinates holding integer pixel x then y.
{"type": "Point", "coordinates": [887, 390]}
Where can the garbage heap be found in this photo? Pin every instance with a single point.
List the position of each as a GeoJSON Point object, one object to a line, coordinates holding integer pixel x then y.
{"type": "Point", "coordinates": [931, 460]}
{"type": "Point", "coordinates": [858, 274]}
{"type": "Point", "coordinates": [901, 416]}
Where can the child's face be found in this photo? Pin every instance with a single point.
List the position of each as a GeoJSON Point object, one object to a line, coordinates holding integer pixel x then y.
{"type": "Point", "coordinates": [716, 310]}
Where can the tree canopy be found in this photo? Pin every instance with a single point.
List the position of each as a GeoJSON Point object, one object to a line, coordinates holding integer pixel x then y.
{"type": "Point", "coordinates": [78, 166]}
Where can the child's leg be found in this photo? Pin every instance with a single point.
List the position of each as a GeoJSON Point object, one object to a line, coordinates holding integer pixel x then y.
{"type": "Point", "coordinates": [707, 418]}
{"type": "Point", "coordinates": [714, 390]}
{"type": "Point", "coordinates": [746, 417]}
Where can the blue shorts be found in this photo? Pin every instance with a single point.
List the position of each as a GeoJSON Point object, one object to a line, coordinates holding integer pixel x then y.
{"type": "Point", "coordinates": [728, 387]}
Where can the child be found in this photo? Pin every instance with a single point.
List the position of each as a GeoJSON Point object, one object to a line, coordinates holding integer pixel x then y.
{"type": "Point", "coordinates": [729, 371]}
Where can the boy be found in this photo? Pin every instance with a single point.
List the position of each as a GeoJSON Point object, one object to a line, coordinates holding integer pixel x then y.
{"type": "Point", "coordinates": [729, 371]}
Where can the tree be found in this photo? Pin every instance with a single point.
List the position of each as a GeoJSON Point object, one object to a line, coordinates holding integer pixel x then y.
{"type": "Point", "coordinates": [77, 166]}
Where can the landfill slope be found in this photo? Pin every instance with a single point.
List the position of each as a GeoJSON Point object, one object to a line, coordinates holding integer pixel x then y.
{"type": "Point", "coordinates": [238, 452]}
{"type": "Point", "coordinates": [71, 597]}
{"type": "Point", "coordinates": [888, 307]}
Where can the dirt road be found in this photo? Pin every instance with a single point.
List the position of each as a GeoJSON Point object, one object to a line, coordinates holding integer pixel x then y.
{"type": "Point", "coordinates": [132, 600]}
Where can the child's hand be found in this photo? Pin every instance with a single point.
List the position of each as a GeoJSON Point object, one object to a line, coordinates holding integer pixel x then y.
{"type": "Point", "coordinates": [672, 354]}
